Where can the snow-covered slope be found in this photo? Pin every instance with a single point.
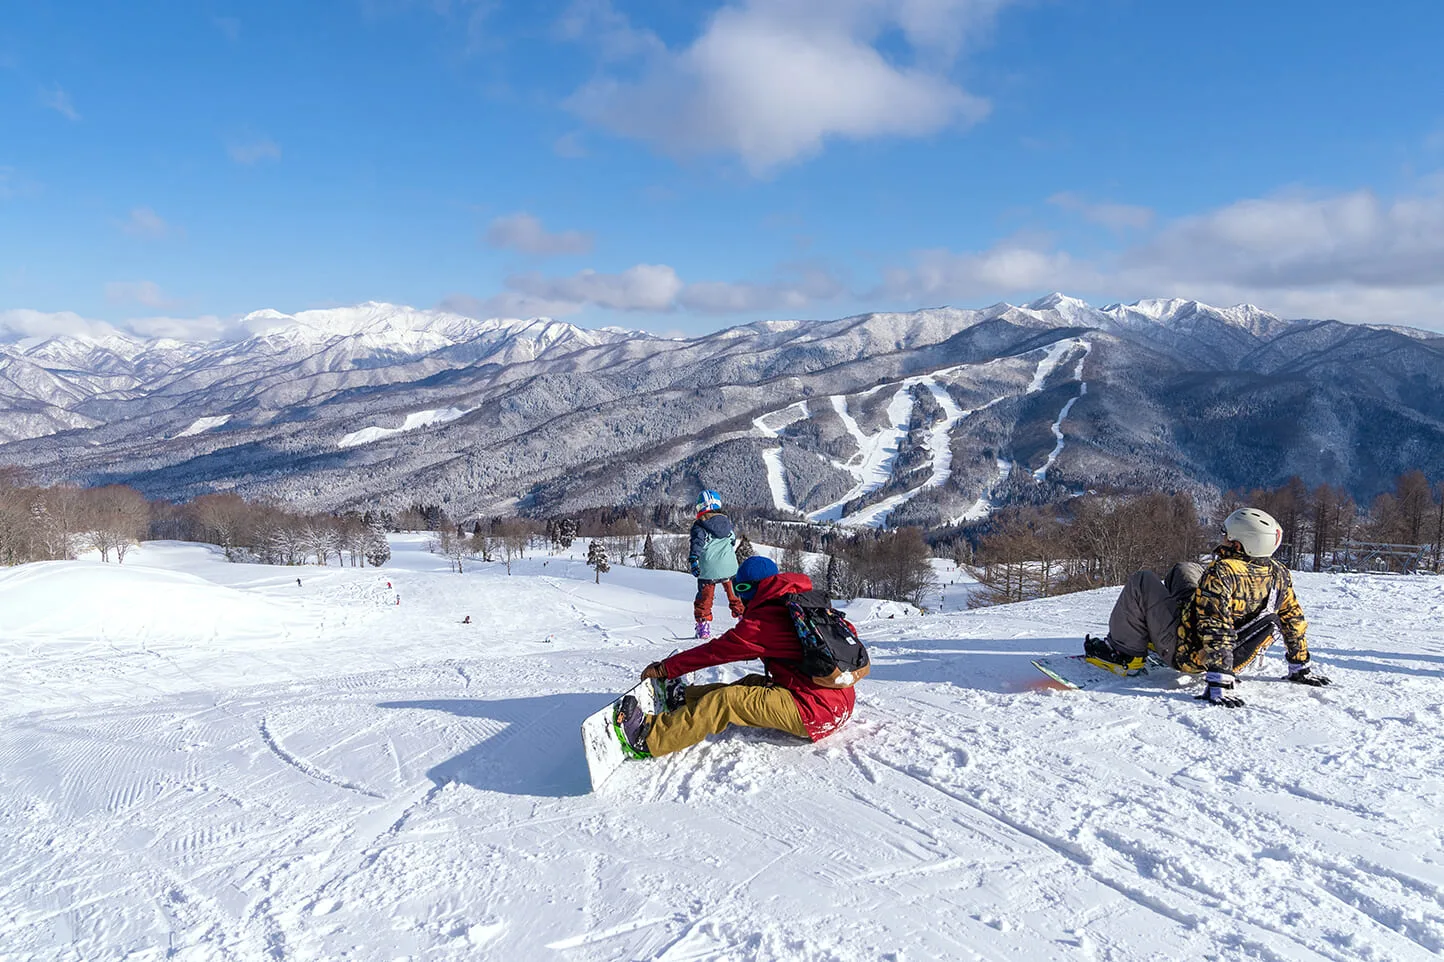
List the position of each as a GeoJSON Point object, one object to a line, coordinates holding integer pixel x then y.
{"type": "Point", "coordinates": [206, 761]}
{"type": "Point", "coordinates": [352, 408]}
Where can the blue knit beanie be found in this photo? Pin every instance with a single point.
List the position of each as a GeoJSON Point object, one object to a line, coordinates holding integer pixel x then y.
{"type": "Point", "coordinates": [751, 573]}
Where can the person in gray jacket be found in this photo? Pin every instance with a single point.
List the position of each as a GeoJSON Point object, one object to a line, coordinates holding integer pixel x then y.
{"type": "Point", "coordinates": [713, 560]}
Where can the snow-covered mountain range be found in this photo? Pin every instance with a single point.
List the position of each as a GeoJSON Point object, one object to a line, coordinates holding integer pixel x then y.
{"type": "Point", "coordinates": [927, 416]}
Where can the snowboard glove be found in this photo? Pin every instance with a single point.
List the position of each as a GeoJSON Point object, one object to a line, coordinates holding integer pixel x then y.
{"type": "Point", "coordinates": [737, 608]}
{"type": "Point", "coordinates": [1302, 673]}
{"type": "Point", "coordinates": [655, 670]}
{"type": "Point", "coordinates": [1218, 690]}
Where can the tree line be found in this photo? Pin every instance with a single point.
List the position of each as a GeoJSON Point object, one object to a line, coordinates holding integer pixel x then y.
{"type": "Point", "coordinates": [1033, 551]}
{"type": "Point", "coordinates": [1020, 552]}
{"type": "Point", "coordinates": [57, 522]}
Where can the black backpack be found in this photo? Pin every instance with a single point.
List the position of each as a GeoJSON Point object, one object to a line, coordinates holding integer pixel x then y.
{"type": "Point", "coordinates": [832, 654]}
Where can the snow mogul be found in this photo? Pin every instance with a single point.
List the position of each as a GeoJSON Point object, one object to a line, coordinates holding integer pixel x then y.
{"type": "Point", "coordinates": [712, 560]}
{"type": "Point", "coordinates": [1213, 620]}
{"type": "Point", "coordinates": [785, 699]}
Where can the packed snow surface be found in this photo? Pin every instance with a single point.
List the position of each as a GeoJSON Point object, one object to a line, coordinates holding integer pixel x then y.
{"type": "Point", "coordinates": [207, 761]}
{"type": "Point", "coordinates": [1042, 472]}
{"type": "Point", "coordinates": [414, 420]}
{"type": "Point", "coordinates": [204, 424]}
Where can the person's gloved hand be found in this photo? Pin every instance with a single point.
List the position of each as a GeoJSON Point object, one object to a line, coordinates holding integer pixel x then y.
{"type": "Point", "coordinates": [1302, 673]}
{"type": "Point", "coordinates": [737, 607]}
{"type": "Point", "coordinates": [655, 670]}
{"type": "Point", "coordinates": [1218, 690]}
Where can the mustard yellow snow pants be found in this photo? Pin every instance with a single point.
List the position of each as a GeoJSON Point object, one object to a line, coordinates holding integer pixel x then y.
{"type": "Point", "coordinates": [750, 701]}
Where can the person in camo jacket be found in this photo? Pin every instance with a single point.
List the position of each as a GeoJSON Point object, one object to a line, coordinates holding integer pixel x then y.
{"type": "Point", "coordinates": [1213, 620]}
{"type": "Point", "coordinates": [713, 560]}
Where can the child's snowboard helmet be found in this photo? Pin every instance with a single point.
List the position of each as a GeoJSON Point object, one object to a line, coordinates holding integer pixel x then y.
{"type": "Point", "coordinates": [709, 501]}
{"type": "Point", "coordinates": [1256, 532]}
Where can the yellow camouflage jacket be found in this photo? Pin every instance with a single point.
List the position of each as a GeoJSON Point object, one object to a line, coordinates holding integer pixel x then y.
{"type": "Point", "coordinates": [1233, 591]}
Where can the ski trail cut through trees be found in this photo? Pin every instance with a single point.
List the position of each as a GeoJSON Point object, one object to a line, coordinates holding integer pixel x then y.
{"type": "Point", "coordinates": [877, 455]}
{"type": "Point", "coordinates": [873, 465]}
{"type": "Point", "coordinates": [1042, 473]}
{"type": "Point", "coordinates": [1052, 357]}
{"type": "Point", "coordinates": [772, 457]}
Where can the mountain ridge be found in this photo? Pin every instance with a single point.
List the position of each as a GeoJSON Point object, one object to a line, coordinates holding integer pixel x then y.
{"type": "Point", "coordinates": [375, 403]}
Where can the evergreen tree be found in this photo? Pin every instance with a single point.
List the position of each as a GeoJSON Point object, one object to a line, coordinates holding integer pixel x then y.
{"type": "Point", "coordinates": [744, 549]}
{"type": "Point", "coordinates": [649, 555]}
{"type": "Point", "coordinates": [597, 558]}
{"type": "Point", "coordinates": [566, 532]}
{"type": "Point", "coordinates": [833, 578]}
{"type": "Point", "coordinates": [377, 552]}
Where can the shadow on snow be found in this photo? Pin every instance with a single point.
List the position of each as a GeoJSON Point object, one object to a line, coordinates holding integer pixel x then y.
{"type": "Point", "coordinates": [538, 751]}
{"type": "Point", "coordinates": [1001, 665]}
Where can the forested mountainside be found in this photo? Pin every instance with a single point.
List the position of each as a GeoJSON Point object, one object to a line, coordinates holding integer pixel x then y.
{"type": "Point", "coordinates": [924, 417]}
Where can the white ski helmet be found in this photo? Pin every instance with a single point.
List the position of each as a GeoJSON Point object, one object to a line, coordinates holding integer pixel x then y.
{"type": "Point", "coordinates": [1256, 532]}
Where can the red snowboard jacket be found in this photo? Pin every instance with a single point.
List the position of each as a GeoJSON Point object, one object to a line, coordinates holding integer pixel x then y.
{"type": "Point", "coordinates": [766, 632]}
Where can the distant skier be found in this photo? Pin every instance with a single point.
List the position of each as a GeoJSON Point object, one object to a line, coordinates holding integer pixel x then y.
{"type": "Point", "coordinates": [1214, 620]}
{"type": "Point", "coordinates": [713, 560]}
{"type": "Point", "coordinates": [298, 582]}
{"type": "Point", "coordinates": [784, 699]}
{"type": "Point", "coordinates": [466, 620]}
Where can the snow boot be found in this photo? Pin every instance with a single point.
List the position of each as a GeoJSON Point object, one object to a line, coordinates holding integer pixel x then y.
{"type": "Point", "coordinates": [674, 692]}
{"type": "Point", "coordinates": [632, 727]}
{"type": "Point", "coordinates": [704, 629]}
{"type": "Point", "coordinates": [1101, 652]}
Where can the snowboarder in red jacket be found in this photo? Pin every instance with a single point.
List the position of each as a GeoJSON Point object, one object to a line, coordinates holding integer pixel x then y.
{"type": "Point", "coordinates": [784, 699]}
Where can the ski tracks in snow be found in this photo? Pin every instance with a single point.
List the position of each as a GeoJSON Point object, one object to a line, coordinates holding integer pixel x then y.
{"type": "Point", "coordinates": [436, 810]}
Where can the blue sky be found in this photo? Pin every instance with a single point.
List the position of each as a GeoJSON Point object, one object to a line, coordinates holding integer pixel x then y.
{"type": "Point", "coordinates": [681, 166]}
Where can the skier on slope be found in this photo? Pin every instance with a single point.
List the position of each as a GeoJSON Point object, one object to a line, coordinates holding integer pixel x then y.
{"type": "Point", "coordinates": [1213, 620]}
{"type": "Point", "coordinates": [712, 560]}
{"type": "Point", "coordinates": [784, 699]}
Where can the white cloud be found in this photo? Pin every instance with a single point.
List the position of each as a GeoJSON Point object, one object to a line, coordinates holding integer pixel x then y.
{"type": "Point", "coordinates": [723, 297]}
{"type": "Point", "coordinates": [597, 24]}
{"type": "Point", "coordinates": [22, 322]}
{"type": "Point", "coordinates": [1113, 216]}
{"type": "Point", "coordinates": [645, 287]}
{"type": "Point", "coordinates": [144, 222]}
{"type": "Point", "coordinates": [59, 101]}
{"type": "Point", "coordinates": [771, 81]}
{"type": "Point", "coordinates": [525, 233]}
{"type": "Point", "coordinates": [939, 276]}
{"type": "Point", "coordinates": [145, 293]}
{"type": "Point", "coordinates": [1351, 256]}
{"type": "Point", "coordinates": [207, 327]}
{"type": "Point", "coordinates": [1294, 242]}
{"type": "Point", "coordinates": [254, 151]}
{"type": "Point", "coordinates": [654, 288]}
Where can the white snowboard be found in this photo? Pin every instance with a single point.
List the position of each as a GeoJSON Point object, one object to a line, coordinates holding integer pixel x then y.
{"type": "Point", "coordinates": [1076, 671]}
{"type": "Point", "coordinates": [599, 739]}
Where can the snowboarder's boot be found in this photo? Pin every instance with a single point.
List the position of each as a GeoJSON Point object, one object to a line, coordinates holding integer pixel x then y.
{"type": "Point", "coordinates": [1101, 652]}
{"type": "Point", "coordinates": [632, 727]}
{"type": "Point", "coordinates": [704, 629]}
{"type": "Point", "coordinates": [674, 693]}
